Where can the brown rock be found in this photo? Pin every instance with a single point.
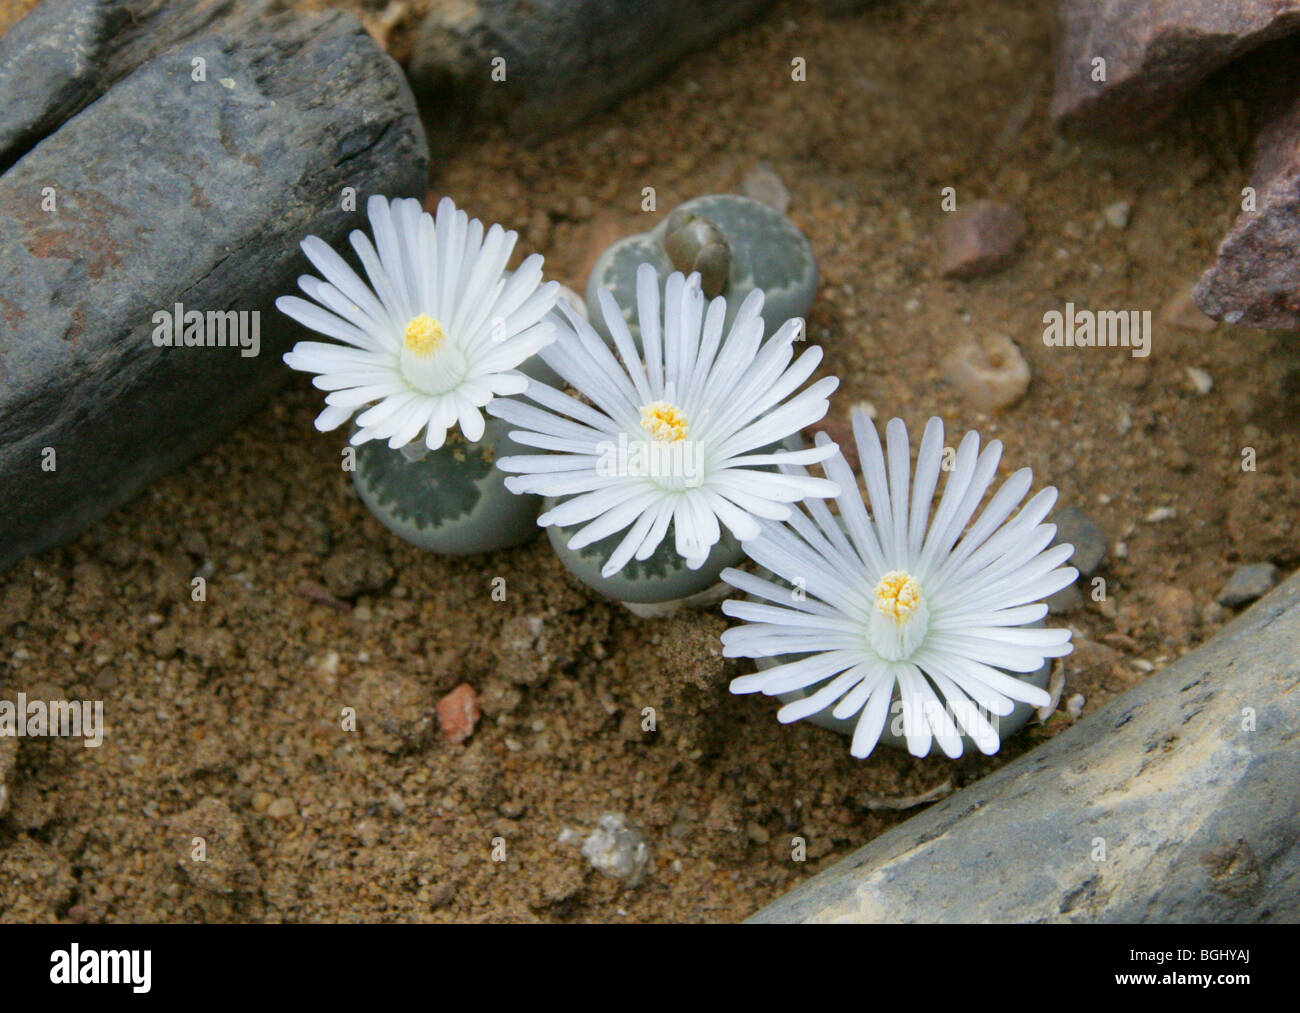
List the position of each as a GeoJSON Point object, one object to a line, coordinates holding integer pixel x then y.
{"type": "Point", "coordinates": [981, 238]}
{"type": "Point", "coordinates": [1255, 277]}
{"type": "Point", "coordinates": [458, 713]}
{"type": "Point", "coordinates": [1155, 53]}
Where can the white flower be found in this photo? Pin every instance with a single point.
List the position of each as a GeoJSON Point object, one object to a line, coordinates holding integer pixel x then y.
{"type": "Point", "coordinates": [897, 599]}
{"type": "Point", "coordinates": [673, 440]}
{"type": "Point", "coordinates": [436, 334]}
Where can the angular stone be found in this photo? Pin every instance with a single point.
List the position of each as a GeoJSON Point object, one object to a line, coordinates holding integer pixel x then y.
{"type": "Point", "coordinates": [1248, 583]}
{"type": "Point", "coordinates": [170, 190]}
{"type": "Point", "coordinates": [1155, 53]}
{"type": "Point", "coordinates": [561, 59]}
{"type": "Point", "coordinates": [458, 713]}
{"type": "Point", "coordinates": [982, 237]}
{"type": "Point", "coordinates": [1255, 277]}
{"type": "Point", "coordinates": [1175, 802]}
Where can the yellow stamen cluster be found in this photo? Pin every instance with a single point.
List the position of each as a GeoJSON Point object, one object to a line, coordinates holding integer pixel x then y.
{"type": "Point", "coordinates": [424, 336]}
{"type": "Point", "coordinates": [664, 422]}
{"type": "Point", "coordinates": [898, 596]}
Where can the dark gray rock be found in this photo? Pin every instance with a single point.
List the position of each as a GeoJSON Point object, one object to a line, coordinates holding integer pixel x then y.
{"type": "Point", "coordinates": [1089, 541]}
{"type": "Point", "coordinates": [1155, 53]}
{"type": "Point", "coordinates": [1175, 802]}
{"type": "Point", "coordinates": [168, 191]}
{"type": "Point", "coordinates": [1248, 583]}
{"type": "Point", "coordinates": [563, 59]}
{"type": "Point", "coordinates": [66, 53]}
{"type": "Point", "coordinates": [1255, 277]}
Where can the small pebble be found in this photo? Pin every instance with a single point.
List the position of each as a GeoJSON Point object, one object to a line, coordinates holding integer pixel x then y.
{"type": "Point", "coordinates": [992, 375]}
{"type": "Point", "coordinates": [981, 238]}
{"type": "Point", "coordinates": [1074, 706]}
{"type": "Point", "coordinates": [1164, 513]}
{"type": "Point", "coordinates": [458, 713]}
{"type": "Point", "coordinates": [616, 850]}
{"type": "Point", "coordinates": [1213, 613]}
{"type": "Point", "coordinates": [1254, 580]}
{"type": "Point", "coordinates": [1117, 215]}
{"type": "Point", "coordinates": [1201, 380]}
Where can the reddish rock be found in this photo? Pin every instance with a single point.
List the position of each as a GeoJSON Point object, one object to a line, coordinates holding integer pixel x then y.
{"type": "Point", "coordinates": [981, 238]}
{"type": "Point", "coordinates": [458, 713]}
{"type": "Point", "coordinates": [1255, 277]}
{"type": "Point", "coordinates": [1155, 52]}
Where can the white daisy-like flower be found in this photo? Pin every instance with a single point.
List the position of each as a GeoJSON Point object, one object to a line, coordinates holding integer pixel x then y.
{"type": "Point", "coordinates": [680, 439]}
{"type": "Point", "coordinates": [435, 335]}
{"type": "Point", "coordinates": [900, 599]}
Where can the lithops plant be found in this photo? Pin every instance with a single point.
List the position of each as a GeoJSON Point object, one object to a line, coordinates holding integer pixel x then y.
{"type": "Point", "coordinates": [662, 456]}
{"type": "Point", "coordinates": [452, 500]}
{"type": "Point", "coordinates": [660, 584]}
{"type": "Point", "coordinates": [435, 335]}
{"type": "Point", "coordinates": [940, 614]}
{"type": "Point", "coordinates": [737, 245]}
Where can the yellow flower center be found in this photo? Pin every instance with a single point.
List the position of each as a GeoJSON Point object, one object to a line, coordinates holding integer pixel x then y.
{"type": "Point", "coordinates": [424, 336]}
{"type": "Point", "coordinates": [664, 422]}
{"type": "Point", "coordinates": [898, 596]}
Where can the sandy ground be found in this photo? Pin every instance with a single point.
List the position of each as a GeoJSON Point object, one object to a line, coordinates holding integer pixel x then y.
{"type": "Point", "coordinates": [239, 698]}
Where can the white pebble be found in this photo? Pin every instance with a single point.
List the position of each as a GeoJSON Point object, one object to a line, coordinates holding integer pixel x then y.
{"type": "Point", "coordinates": [1164, 513]}
{"type": "Point", "coordinates": [993, 374]}
{"type": "Point", "coordinates": [617, 850]}
{"type": "Point", "coordinates": [1117, 215]}
{"type": "Point", "coordinates": [1074, 706]}
{"type": "Point", "coordinates": [1201, 380]}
